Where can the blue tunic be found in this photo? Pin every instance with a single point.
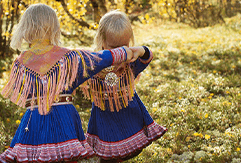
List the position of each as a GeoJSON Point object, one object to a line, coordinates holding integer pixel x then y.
{"type": "Point", "coordinates": [57, 136]}
{"type": "Point", "coordinates": [117, 135]}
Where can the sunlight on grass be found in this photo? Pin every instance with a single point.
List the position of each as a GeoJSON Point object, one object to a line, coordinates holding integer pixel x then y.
{"type": "Point", "coordinates": [195, 91]}
{"type": "Point", "coordinates": [192, 87]}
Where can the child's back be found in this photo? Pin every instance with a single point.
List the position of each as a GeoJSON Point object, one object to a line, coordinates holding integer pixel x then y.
{"type": "Point", "coordinates": [120, 126]}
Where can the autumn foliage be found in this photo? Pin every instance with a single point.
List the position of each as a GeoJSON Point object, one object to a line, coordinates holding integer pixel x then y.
{"type": "Point", "coordinates": [192, 86]}
{"type": "Point", "coordinates": [78, 16]}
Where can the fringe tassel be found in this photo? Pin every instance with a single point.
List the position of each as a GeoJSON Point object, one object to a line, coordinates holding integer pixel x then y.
{"type": "Point", "coordinates": [117, 96]}
{"type": "Point", "coordinates": [25, 83]}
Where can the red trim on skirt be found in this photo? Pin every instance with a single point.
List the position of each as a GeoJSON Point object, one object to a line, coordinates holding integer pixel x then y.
{"type": "Point", "coordinates": [123, 148]}
{"type": "Point", "coordinates": [55, 152]}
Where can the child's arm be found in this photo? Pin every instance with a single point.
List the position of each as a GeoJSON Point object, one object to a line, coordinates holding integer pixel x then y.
{"type": "Point", "coordinates": [142, 61]}
{"type": "Point", "coordinates": [105, 59]}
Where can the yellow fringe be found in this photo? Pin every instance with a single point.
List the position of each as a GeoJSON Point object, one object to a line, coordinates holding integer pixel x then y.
{"type": "Point", "coordinates": [122, 95]}
{"type": "Point", "coordinates": [130, 83]}
{"type": "Point", "coordinates": [91, 96]}
{"type": "Point", "coordinates": [37, 89]}
{"type": "Point", "coordinates": [96, 91]}
{"type": "Point", "coordinates": [83, 64]}
{"type": "Point", "coordinates": [67, 86]}
{"type": "Point", "coordinates": [101, 98]}
{"type": "Point", "coordinates": [48, 94]}
{"type": "Point", "coordinates": [57, 81]}
{"type": "Point", "coordinates": [21, 90]}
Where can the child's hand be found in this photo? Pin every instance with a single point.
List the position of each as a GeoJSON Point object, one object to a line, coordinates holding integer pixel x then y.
{"type": "Point", "coordinates": [138, 51]}
{"type": "Point", "coordinates": [130, 54]}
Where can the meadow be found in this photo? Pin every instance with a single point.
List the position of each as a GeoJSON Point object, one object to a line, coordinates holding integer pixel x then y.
{"type": "Point", "coordinates": [192, 87]}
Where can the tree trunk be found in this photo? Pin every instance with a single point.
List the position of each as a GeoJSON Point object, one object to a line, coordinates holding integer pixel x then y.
{"type": "Point", "coordinates": [228, 8]}
{"type": "Point", "coordinates": [102, 6]}
{"type": "Point", "coordinates": [99, 9]}
{"type": "Point", "coordinates": [5, 50]}
{"type": "Point", "coordinates": [1, 30]}
{"type": "Point", "coordinates": [167, 10]}
{"type": "Point", "coordinates": [96, 12]}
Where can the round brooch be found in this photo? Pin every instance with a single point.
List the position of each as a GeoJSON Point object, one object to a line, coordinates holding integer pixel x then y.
{"type": "Point", "coordinates": [111, 79]}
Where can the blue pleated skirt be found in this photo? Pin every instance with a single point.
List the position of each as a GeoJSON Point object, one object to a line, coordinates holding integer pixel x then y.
{"type": "Point", "coordinates": [120, 134]}
{"type": "Point", "coordinates": [55, 137]}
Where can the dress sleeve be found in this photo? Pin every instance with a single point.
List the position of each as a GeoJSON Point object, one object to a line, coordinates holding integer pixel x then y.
{"type": "Point", "coordinates": [90, 64]}
{"type": "Point", "coordinates": [72, 69]}
{"type": "Point", "coordinates": [142, 62]}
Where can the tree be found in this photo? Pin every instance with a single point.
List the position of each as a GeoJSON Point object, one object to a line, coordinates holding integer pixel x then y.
{"type": "Point", "coordinates": [99, 9]}
{"type": "Point", "coordinates": [9, 13]}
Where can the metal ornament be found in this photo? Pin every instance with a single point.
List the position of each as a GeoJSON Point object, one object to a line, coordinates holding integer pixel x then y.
{"type": "Point", "coordinates": [111, 79]}
{"type": "Point", "coordinates": [26, 129]}
{"type": "Point", "coordinates": [110, 68]}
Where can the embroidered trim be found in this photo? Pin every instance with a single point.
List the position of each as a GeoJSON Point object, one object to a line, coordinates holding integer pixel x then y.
{"type": "Point", "coordinates": [119, 55]}
{"type": "Point", "coordinates": [61, 100]}
{"type": "Point", "coordinates": [54, 104]}
{"type": "Point", "coordinates": [120, 149]}
{"type": "Point", "coordinates": [55, 152]}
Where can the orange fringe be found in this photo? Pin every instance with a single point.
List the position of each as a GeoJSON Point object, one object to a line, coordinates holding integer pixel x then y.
{"type": "Point", "coordinates": [46, 88]}
{"type": "Point", "coordinates": [117, 96]}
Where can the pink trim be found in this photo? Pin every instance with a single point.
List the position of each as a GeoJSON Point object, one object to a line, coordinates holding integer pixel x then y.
{"type": "Point", "coordinates": [123, 148]}
{"type": "Point", "coordinates": [55, 152]}
{"type": "Point", "coordinates": [48, 87]}
{"type": "Point", "coordinates": [146, 61]}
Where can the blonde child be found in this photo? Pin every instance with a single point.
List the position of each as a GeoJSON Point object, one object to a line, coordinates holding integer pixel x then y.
{"type": "Point", "coordinates": [42, 80]}
{"type": "Point", "coordinates": [119, 126]}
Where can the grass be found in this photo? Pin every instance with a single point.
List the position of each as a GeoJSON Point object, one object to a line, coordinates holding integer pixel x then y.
{"type": "Point", "coordinates": [192, 87]}
{"type": "Point", "coordinates": [194, 83]}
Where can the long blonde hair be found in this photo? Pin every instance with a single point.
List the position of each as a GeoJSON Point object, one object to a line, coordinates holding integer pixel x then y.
{"type": "Point", "coordinates": [39, 21]}
{"type": "Point", "coordinates": [115, 24]}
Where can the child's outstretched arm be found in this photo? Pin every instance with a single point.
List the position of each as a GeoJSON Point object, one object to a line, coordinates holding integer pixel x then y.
{"type": "Point", "coordinates": [106, 59]}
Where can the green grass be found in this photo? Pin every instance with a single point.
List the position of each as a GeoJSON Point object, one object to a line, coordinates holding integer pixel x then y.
{"type": "Point", "coordinates": [192, 87]}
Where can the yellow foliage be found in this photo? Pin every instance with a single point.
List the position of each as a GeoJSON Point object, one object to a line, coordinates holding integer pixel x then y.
{"type": "Point", "coordinates": [18, 122]}
{"type": "Point", "coordinates": [76, 8]}
{"type": "Point", "coordinates": [206, 115]}
{"type": "Point", "coordinates": [198, 134]}
{"type": "Point", "coordinates": [147, 16]}
{"type": "Point", "coordinates": [207, 137]}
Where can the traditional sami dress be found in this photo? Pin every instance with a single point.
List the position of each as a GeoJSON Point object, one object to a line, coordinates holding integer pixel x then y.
{"type": "Point", "coordinates": [43, 81]}
{"type": "Point", "coordinates": [119, 125]}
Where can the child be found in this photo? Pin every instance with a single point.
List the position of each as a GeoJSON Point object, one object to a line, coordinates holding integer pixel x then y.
{"type": "Point", "coordinates": [119, 126]}
{"type": "Point", "coordinates": [42, 80]}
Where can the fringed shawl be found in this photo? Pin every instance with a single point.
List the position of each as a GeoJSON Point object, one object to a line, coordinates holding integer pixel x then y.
{"type": "Point", "coordinates": [106, 96]}
{"type": "Point", "coordinates": [44, 76]}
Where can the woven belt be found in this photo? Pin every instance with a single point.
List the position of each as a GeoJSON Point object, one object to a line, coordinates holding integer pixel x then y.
{"type": "Point", "coordinates": [62, 99]}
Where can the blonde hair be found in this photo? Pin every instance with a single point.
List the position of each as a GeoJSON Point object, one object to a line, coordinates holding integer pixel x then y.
{"type": "Point", "coordinates": [115, 24]}
{"type": "Point", "coordinates": [39, 21]}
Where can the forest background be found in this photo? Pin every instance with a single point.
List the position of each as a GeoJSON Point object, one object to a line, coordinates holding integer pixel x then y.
{"type": "Point", "coordinates": [192, 86]}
